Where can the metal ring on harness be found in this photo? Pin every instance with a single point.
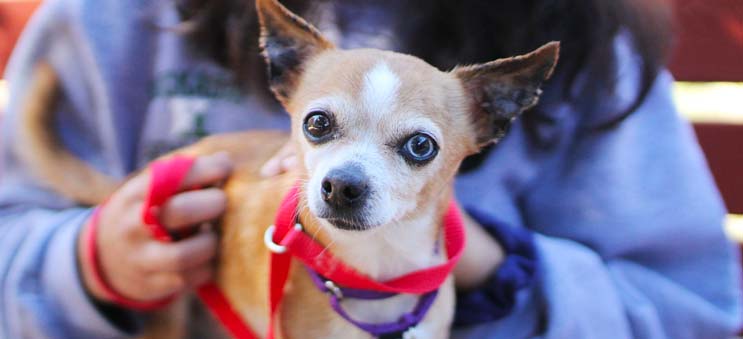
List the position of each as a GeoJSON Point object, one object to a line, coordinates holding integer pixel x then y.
{"type": "Point", "coordinates": [268, 239]}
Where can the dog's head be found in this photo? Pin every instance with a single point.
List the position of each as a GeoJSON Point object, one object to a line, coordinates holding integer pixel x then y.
{"type": "Point", "coordinates": [381, 134]}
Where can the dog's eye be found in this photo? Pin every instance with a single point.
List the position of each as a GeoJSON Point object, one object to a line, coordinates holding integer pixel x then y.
{"type": "Point", "coordinates": [317, 126]}
{"type": "Point", "coordinates": [419, 149]}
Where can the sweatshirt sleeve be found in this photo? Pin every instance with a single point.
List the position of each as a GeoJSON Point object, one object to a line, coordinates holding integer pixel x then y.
{"type": "Point", "coordinates": [627, 227]}
{"type": "Point", "coordinates": [41, 294]}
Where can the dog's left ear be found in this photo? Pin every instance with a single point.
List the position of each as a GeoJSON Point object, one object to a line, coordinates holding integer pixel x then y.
{"type": "Point", "coordinates": [288, 42]}
{"type": "Point", "coordinates": [502, 89]}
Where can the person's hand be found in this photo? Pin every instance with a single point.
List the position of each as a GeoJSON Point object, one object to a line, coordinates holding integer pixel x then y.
{"type": "Point", "coordinates": [283, 161]}
{"type": "Point", "coordinates": [481, 257]}
{"type": "Point", "coordinates": [143, 269]}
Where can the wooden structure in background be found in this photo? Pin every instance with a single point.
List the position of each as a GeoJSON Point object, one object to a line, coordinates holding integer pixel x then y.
{"type": "Point", "coordinates": [709, 47]}
{"type": "Point", "coordinates": [710, 40]}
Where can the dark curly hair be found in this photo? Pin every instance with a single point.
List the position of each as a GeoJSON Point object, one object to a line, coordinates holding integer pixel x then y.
{"type": "Point", "coordinates": [446, 33]}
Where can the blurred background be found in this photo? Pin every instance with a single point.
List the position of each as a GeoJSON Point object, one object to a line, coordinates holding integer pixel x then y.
{"type": "Point", "coordinates": [707, 63]}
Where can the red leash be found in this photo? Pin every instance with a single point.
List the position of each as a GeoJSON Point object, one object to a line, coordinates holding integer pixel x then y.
{"type": "Point", "coordinates": [91, 253]}
{"type": "Point", "coordinates": [220, 307]}
{"type": "Point", "coordinates": [167, 176]}
{"type": "Point", "coordinates": [166, 179]}
{"type": "Point", "coordinates": [286, 240]}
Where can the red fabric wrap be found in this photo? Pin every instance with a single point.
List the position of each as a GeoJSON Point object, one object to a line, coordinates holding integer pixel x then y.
{"type": "Point", "coordinates": [91, 253]}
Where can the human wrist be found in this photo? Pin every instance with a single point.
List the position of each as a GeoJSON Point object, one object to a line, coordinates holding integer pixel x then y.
{"type": "Point", "coordinates": [120, 318]}
{"type": "Point", "coordinates": [517, 270]}
{"type": "Point", "coordinates": [97, 283]}
{"type": "Point", "coordinates": [61, 278]}
{"type": "Point", "coordinates": [85, 263]}
{"type": "Point", "coordinates": [481, 258]}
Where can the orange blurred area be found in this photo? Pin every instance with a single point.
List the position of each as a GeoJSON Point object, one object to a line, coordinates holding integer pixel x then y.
{"type": "Point", "coordinates": [13, 16]}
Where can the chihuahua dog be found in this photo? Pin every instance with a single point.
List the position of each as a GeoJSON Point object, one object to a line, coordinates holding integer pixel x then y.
{"type": "Point", "coordinates": [379, 137]}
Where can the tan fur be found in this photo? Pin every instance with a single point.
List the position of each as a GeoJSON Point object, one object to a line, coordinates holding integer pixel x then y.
{"type": "Point", "coordinates": [426, 94]}
{"type": "Point", "coordinates": [40, 148]}
{"type": "Point", "coordinates": [243, 270]}
{"type": "Point", "coordinates": [523, 73]}
{"type": "Point", "coordinates": [288, 25]}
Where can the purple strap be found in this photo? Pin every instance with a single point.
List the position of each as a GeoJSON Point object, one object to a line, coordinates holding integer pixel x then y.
{"type": "Point", "coordinates": [406, 321]}
{"type": "Point", "coordinates": [344, 292]}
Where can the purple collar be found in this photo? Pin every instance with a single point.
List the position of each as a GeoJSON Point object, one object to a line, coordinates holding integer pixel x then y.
{"type": "Point", "coordinates": [392, 329]}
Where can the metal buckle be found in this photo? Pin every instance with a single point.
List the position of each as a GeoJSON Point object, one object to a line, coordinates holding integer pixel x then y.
{"type": "Point", "coordinates": [411, 333]}
{"type": "Point", "coordinates": [268, 239]}
{"type": "Point", "coordinates": [333, 288]}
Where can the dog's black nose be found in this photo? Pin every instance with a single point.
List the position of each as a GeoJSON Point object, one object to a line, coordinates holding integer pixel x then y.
{"type": "Point", "coordinates": [345, 187]}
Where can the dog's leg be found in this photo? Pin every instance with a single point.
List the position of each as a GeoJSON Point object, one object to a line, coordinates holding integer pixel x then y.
{"type": "Point", "coordinates": [186, 318]}
{"type": "Point", "coordinates": [42, 151]}
{"type": "Point", "coordinates": [169, 323]}
{"type": "Point", "coordinates": [437, 323]}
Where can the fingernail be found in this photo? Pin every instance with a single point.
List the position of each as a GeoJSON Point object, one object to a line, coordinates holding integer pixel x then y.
{"type": "Point", "coordinates": [289, 163]}
{"type": "Point", "coordinates": [222, 158]}
{"type": "Point", "coordinates": [206, 227]}
{"type": "Point", "coordinates": [268, 169]}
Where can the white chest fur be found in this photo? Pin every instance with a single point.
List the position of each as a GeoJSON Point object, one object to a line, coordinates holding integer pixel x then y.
{"type": "Point", "coordinates": [389, 252]}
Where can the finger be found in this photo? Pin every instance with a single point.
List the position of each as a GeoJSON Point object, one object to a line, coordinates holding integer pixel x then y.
{"type": "Point", "coordinates": [169, 283]}
{"type": "Point", "coordinates": [180, 256]}
{"type": "Point", "coordinates": [289, 163]}
{"type": "Point", "coordinates": [193, 207]}
{"type": "Point", "coordinates": [274, 166]}
{"type": "Point", "coordinates": [271, 168]}
{"type": "Point", "coordinates": [199, 276]}
{"type": "Point", "coordinates": [135, 188]}
{"type": "Point", "coordinates": [208, 170]}
{"type": "Point", "coordinates": [166, 283]}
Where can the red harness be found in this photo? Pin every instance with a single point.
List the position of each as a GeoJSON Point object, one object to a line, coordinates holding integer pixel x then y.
{"type": "Point", "coordinates": [286, 239]}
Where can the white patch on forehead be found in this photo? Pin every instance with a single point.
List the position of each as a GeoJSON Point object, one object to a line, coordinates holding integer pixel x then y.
{"type": "Point", "coordinates": [381, 85]}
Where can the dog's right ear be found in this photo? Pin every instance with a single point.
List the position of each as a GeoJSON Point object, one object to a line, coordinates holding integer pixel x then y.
{"type": "Point", "coordinates": [502, 89]}
{"type": "Point", "coordinates": [288, 42]}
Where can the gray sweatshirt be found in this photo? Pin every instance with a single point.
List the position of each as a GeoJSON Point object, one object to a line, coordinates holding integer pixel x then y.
{"type": "Point", "coordinates": [626, 222]}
